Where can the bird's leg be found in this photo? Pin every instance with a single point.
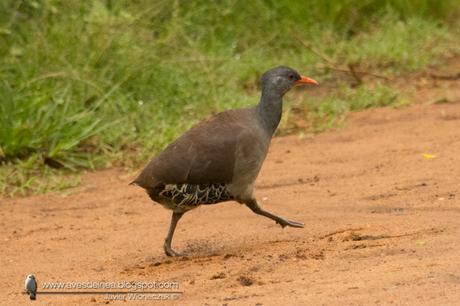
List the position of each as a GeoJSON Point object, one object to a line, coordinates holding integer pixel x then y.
{"type": "Point", "coordinates": [252, 204]}
{"type": "Point", "coordinates": [167, 245]}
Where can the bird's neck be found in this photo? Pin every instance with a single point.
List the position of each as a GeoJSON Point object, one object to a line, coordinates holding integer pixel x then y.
{"type": "Point", "coordinates": [269, 110]}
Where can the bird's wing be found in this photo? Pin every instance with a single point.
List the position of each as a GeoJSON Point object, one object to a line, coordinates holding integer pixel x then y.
{"type": "Point", "coordinates": [204, 154]}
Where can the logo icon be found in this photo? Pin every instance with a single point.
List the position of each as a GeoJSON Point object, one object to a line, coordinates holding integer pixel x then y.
{"type": "Point", "coordinates": [31, 286]}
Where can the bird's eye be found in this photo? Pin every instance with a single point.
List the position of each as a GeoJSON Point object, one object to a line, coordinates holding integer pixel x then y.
{"type": "Point", "coordinates": [291, 77]}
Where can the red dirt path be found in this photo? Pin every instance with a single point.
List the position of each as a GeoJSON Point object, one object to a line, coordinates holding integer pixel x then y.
{"type": "Point", "coordinates": [382, 225]}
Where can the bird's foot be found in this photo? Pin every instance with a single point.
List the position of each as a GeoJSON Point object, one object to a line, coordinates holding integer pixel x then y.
{"type": "Point", "coordinates": [285, 222]}
{"type": "Point", "coordinates": [170, 252]}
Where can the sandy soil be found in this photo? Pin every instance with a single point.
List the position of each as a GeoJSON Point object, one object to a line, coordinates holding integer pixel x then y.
{"type": "Point", "coordinates": [380, 200]}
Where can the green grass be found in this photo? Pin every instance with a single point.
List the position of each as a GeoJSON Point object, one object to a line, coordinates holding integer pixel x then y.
{"type": "Point", "coordinates": [24, 177]}
{"type": "Point", "coordinates": [91, 84]}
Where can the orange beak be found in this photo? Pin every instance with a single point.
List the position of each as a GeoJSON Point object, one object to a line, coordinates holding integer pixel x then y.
{"type": "Point", "coordinates": [304, 80]}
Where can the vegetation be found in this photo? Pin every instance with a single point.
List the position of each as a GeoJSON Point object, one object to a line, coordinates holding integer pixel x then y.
{"type": "Point", "coordinates": [87, 84]}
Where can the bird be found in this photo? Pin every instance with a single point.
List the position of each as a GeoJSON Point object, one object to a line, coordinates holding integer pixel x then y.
{"type": "Point", "coordinates": [31, 286]}
{"type": "Point", "coordinates": [219, 159]}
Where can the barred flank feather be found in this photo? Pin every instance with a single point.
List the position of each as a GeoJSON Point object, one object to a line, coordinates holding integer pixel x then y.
{"type": "Point", "coordinates": [184, 195]}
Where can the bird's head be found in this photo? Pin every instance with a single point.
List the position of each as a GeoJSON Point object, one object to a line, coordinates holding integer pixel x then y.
{"type": "Point", "coordinates": [30, 276]}
{"type": "Point", "coordinates": [281, 79]}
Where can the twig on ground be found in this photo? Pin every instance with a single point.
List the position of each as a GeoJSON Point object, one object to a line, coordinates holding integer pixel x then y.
{"type": "Point", "coordinates": [358, 79]}
{"type": "Point", "coordinates": [340, 69]}
{"type": "Point", "coordinates": [452, 77]}
{"type": "Point", "coordinates": [334, 66]}
{"type": "Point", "coordinates": [313, 50]}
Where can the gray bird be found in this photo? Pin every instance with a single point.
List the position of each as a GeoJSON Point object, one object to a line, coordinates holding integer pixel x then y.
{"type": "Point", "coordinates": [31, 286]}
{"type": "Point", "coordinates": [219, 159]}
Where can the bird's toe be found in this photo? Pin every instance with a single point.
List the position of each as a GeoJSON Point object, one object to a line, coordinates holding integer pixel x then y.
{"type": "Point", "coordinates": [290, 223]}
{"type": "Point", "coordinates": [296, 224]}
{"type": "Point", "coordinates": [170, 252]}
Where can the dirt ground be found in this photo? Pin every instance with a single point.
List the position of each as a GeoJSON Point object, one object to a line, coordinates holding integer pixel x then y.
{"type": "Point", "coordinates": [380, 200]}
